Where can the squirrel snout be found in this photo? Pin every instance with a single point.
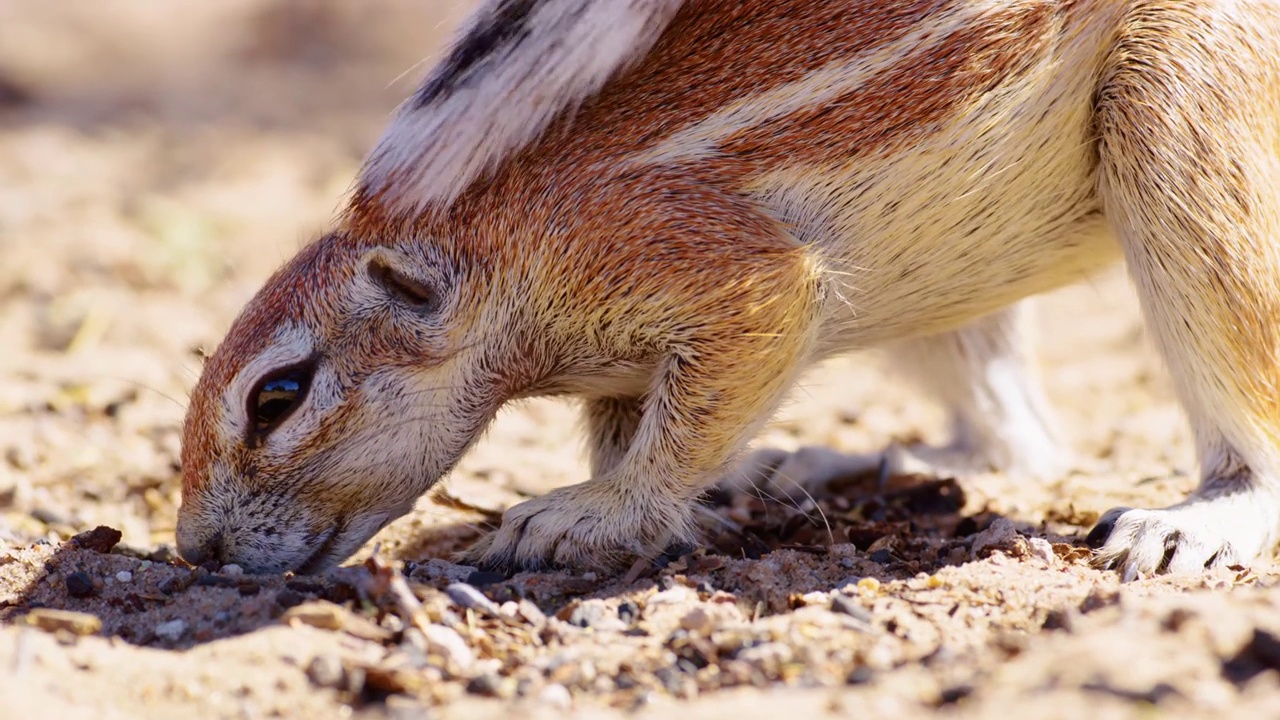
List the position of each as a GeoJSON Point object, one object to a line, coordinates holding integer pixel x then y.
{"type": "Point", "coordinates": [198, 551]}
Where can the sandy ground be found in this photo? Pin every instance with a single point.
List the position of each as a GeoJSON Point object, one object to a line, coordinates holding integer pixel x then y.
{"type": "Point", "coordinates": [157, 160]}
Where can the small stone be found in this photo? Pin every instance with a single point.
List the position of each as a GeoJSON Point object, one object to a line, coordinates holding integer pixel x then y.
{"type": "Point", "coordinates": [697, 620]}
{"type": "Point", "coordinates": [231, 570]}
{"type": "Point", "coordinates": [124, 576]}
{"type": "Point", "coordinates": [628, 612]}
{"type": "Point", "coordinates": [814, 598]}
{"type": "Point", "coordinates": [675, 595]}
{"type": "Point", "coordinates": [1059, 619]}
{"type": "Point", "coordinates": [666, 582]}
{"type": "Point", "coordinates": [80, 585]}
{"type": "Point", "coordinates": [587, 614]}
{"type": "Point", "coordinates": [882, 556]}
{"type": "Point", "coordinates": [401, 707]}
{"type": "Point", "coordinates": [221, 581]}
{"type": "Point", "coordinates": [76, 623]}
{"type": "Point", "coordinates": [437, 569]}
{"type": "Point", "coordinates": [248, 587]}
{"type": "Point", "coordinates": [172, 585]}
{"type": "Point", "coordinates": [556, 695]}
{"type": "Point", "coordinates": [325, 671]}
{"type": "Point", "coordinates": [705, 588]}
{"type": "Point", "coordinates": [1001, 535]}
{"type": "Point", "coordinates": [467, 597]}
{"type": "Point", "coordinates": [449, 645]}
{"type": "Point", "coordinates": [590, 576]}
{"type": "Point", "coordinates": [485, 684]}
{"type": "Point", "coordinates": [162, 554]}
{"type": "Point", "coordinates": [171, 631]}
{"type": "Point", "coordinates": [531, 612]}
{"type": "Point", "coordinates": [480, 578]}
{"type": "Point", "coordinates": [860, 675]}
{"type": "Point", "coordinates": [287, 598]}
{"type": "Point", "coordinates": [848, 606]}
{"type": "Point", "coordinates": [1042, 549]}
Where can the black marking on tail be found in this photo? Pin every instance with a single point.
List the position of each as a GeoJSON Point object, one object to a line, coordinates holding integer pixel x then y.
{"type": "Point", "coordinates": [506, 27]}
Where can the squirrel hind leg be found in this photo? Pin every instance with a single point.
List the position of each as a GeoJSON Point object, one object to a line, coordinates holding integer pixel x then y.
{"type": "Point", "coordinates": [985, 375]}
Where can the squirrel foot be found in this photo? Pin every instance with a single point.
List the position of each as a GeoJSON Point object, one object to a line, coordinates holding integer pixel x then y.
{"type": "Point", "coordinates": [596, 525]}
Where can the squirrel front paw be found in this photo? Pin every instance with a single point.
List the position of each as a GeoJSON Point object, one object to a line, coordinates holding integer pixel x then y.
{"type": "Point", "coordinates": [598, 525]}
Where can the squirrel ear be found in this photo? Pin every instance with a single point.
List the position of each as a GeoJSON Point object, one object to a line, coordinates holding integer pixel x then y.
{"type": "Point", "coordinates": [403, 279]}
{"type": "Point", "coordinates": [516, 66]}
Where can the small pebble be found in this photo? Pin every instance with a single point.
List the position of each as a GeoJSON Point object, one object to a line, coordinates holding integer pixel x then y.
{"type": "Point", "coordinates": [231, 570]}
{"type": "Point", "coordinates": [485, 684]}
{"type": "Point", "coordinates": [217, 581]}
{"type": "Point", "coordinates": [697, 621]}
{"type": "Point", "coordinates": [705, 588]}
{"type": "Point", "coordinates": [848, 606]}
{"type": "Point", "coordinates": [448, 644]}
{"type": "Point", "coordinates": [124, 576]}
{"type": "Point", "coordinates": [587, 614]}
{"type": "Point", "coordinates": [556, 695]}
{"type": "Point", "coordinates": [814, 598]}
{"type": "Point", "coordinates": [248, 587]}
{"type": "Point", "coordinates": [1042, 549]}
{"type": "Point", "coordinates": [465, 596]}
{"type": "Point", "coordinates": [480, 578]}
{"type": "Point", "coordinates": [675, 595]}
{"type": "Point", "coordinates": [325, 671]}
{"type": "Point", "coordinates": [628, 612]}
{"type": "Point", "coordinates": [287, 598]}
{"type": "Point", "coordinates": [531, 613]}
{"type": "Point", "coordinates": [860, 675]}
{"type": "Point", "coordinates": [162, 554]}
{"type": "Point", "coordinates": [79, 585]}
{"type": "Point", "coordinates": [172, 586]}
{"type": "Point", "coordinates": [171, 630]}
{"type": "Point", "coordinates": [882, 556]}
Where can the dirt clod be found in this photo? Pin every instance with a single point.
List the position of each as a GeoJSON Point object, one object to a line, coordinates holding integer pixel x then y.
{"type": "Point", "coordinates": [100, 539]}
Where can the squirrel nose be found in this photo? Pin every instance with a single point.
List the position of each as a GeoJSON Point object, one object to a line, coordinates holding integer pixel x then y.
{"type": "Point", "coordinates": [212, 549]}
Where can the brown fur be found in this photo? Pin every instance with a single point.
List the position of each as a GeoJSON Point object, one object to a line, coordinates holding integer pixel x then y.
{"type": "Point", "coordinates": [773, 183]}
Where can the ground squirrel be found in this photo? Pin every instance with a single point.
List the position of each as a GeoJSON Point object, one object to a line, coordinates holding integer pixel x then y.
{"type": "Point", "coordinates": [671, 208]}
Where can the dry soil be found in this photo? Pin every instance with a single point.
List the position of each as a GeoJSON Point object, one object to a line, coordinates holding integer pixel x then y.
{"type": "Point", "coordinates": [157, 160]}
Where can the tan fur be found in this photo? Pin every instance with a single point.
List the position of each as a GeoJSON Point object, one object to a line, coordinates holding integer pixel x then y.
{"type": "Point", "coordinates": [685, 225]}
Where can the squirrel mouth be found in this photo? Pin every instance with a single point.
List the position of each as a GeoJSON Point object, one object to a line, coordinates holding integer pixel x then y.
{"type": "Point", "coordinates": [319, 559]}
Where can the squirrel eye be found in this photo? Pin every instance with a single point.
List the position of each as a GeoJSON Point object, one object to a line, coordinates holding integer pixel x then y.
{"type": "Point", "coordinates": [277, 396]}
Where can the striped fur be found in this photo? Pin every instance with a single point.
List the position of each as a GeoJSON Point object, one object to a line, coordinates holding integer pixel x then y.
{"type": "Point", "coordinates": [672, 209]}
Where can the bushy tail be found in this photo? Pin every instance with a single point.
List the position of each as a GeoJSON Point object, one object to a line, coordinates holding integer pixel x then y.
{"type": "Point", "coordinates": [512, 70]}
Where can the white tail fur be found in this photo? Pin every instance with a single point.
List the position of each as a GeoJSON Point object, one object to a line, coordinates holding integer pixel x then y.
{"type": "Point", "coordinates": [512, 70]}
